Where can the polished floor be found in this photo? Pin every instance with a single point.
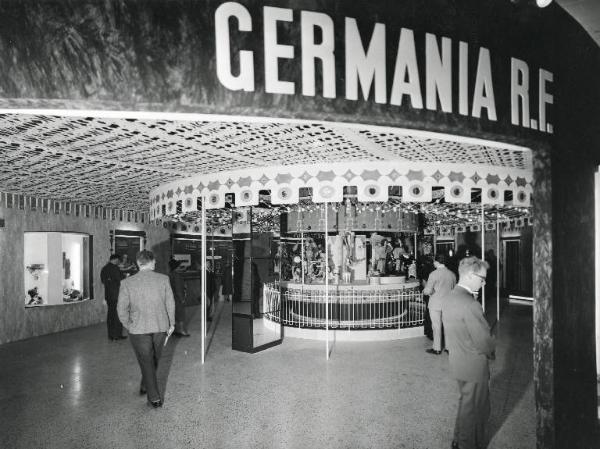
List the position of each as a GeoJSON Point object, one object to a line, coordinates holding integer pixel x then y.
{"type": "Point", "coordinates": [77, 389]}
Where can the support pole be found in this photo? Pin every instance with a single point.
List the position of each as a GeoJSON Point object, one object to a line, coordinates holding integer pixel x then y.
{"type": "Point", "coordinates": [301, 262]}
{"type": "Point", "coordinates": [203, 281]}
{"type": "Point", "coordinates": [302, 254]}
{"type": "Point", "coordinates": [455, 243]}
{"type": "Point", "coordinates": [212, 261]}
{"type": "Point", "coordinates": [497, 270]}
{"type": "Point", "coordinates": [482, 249]}
{"type": "Point", "coordinates": [415, 247]}
{"type": "Point", "coordinates": [326, 283]}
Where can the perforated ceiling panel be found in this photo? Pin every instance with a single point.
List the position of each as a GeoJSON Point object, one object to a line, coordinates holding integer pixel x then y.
{"type": "Point", "coordinates": [420, 149]}
{"type": "Point", "coordinates": [116, 162]}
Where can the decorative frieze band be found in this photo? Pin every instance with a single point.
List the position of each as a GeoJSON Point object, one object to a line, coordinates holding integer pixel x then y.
{"type": "Point", "coordinates": [372, 180]}
{"type": "Point", "coordinates": [50, 206]}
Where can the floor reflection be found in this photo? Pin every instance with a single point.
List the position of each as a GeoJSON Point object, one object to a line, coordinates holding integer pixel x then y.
{"type": "Point", "coordinates": [372, 394]}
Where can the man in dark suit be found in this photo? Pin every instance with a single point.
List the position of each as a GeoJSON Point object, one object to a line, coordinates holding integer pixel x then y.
{"type": "Point", "coordinates": [111, 278]}
{"type": "Point", "coordinates": [210, 289]}
{"type": "Point", "coordinates": [424, 269]}
{"type": "Point", "coordinates": [471, 345]}
{"type": "Point", "coordinates": [178, 287]}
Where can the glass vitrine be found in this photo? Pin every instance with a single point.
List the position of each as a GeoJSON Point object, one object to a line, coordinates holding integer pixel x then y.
{"type": "Point", "coordinates": [56, 268]}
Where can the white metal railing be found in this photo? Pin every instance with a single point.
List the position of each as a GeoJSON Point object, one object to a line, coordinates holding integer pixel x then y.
{"type": "Point", "coordinates": [348, 308]}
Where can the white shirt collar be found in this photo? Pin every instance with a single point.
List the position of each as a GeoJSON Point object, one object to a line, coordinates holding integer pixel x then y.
{"type": "Point", "coordinates": [467, 289]}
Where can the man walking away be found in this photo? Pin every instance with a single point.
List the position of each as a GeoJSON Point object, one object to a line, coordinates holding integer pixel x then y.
{"type": "Point", "coordinates": [440, 283]}
{"type": "Point", "coordinates": [147, 309]}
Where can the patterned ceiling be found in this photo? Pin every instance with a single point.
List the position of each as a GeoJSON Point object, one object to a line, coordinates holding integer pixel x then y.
{"type": "Point", "coordinates": [115, 162]}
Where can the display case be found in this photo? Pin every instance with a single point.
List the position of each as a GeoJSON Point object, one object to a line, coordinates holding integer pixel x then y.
{"type": "Point", "coordinates": [56, 268]}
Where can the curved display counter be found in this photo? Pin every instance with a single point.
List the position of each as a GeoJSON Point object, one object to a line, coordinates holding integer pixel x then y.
{"type": "Point", "coordinates": [351, 306]}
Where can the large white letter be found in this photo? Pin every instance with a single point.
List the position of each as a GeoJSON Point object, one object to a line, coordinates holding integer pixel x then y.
{"type": "Point", "coordinates": [323, 51]}
{"type": "Point", "coordinates": [365, 66]}
{"type": "Point", "coordinates": [245, 80]}
{"type": "Point", "coordinates": [483, 94]}
{"type": "Point", "coordinates": [545, 98]}
{"type": "Point", "coordinates": [275, 51]}
{"type": "Point", "coordinates": [519, 89]}
{"type": "Point", "coordinates": [438, 73]}
{"type": "Point", "coordinates": [463, 78]}
{"type": "Point", "coordinates": [406, 67]}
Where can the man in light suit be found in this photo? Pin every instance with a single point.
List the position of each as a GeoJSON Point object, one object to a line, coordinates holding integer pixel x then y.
{"type": "Point", "coordinates": [147, 309]}
{"type": "Point", "coordinates": [439, 284]}
{"type": "Point", "coordinates": [471, 345]}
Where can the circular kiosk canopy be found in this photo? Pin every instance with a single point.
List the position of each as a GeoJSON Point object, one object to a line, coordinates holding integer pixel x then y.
{"type": "Point", "coordinates": [442, 175]}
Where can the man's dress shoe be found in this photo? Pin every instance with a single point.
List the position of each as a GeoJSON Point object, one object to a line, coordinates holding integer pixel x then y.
{"type": "Point", "coordinates": [181, 334]}
{"type": "Point", "coordinates": [433, 351]}
{"type": "Point", "coordinates": [142, 391]}
{"type": "Point", "coordinates": [157, 403]}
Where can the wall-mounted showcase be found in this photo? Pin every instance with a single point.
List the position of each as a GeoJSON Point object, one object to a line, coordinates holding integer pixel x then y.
{"type": "Point", "coordinates": [57, 268]}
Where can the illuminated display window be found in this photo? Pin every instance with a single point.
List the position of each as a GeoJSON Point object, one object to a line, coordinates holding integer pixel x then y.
{"type": "Point", "coordinates": [57, 268]}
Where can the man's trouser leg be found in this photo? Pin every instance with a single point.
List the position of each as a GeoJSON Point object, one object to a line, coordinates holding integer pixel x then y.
{"type": "Point", "coordinates": [115, 328]}
{"type": "Point", "coordinates": [472, 415]}
{"type": "Point", "coordinates": [436, 326]}
{"type": "Point", "coordinates": [147, 349]}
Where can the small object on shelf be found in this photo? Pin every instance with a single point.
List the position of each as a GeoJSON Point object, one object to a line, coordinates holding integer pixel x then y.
{"type": "Point", "coordinates": [34, 297]}
{"type": "Point", "coordinates": [72, 295]}
{"type": "Point", "coordinates": [412, 270]}
{"type": "Point", "coordinates": [35, 269]}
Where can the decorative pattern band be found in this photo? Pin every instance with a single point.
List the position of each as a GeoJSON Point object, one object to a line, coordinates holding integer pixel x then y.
{"type": "Point", "coordinates": [372, 180]}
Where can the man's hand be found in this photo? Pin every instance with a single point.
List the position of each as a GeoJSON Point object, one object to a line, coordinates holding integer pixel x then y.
{"type": "Point", "coordinates": [169, 332]}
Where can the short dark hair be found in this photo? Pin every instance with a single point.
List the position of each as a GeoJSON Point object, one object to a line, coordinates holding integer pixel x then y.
{"type": "Point", "coordinates": [440, 258]}
{"type": "Point", "coordinates": [144, 257]}
{"type": "Point", "coordinates": [114, 256]}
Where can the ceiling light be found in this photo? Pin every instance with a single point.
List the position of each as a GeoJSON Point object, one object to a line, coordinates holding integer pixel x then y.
{"type": "Point", "coordinates": [539, 3]}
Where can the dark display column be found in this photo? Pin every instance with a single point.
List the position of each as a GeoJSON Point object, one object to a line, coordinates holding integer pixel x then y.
{"type": "Point", "coordinates": [253, 255]}
{"type": "Point", "coordinates": [543, 310]}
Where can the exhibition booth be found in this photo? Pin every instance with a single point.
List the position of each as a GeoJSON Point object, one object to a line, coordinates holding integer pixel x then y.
{"type": "Point", "coordinates": [336, 143]}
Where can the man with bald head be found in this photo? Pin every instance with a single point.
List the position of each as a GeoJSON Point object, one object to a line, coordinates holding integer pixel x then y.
{"type": "Point", "coordinates": [471, 345]}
